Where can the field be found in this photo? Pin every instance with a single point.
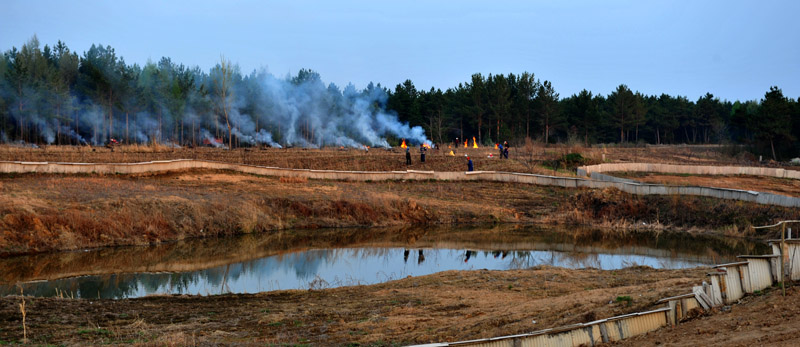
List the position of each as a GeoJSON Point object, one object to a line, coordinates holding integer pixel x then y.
{"type": "Point", "coordinates": [445, 306]}
{"type": "Point", "coordinates": [42, 213]}
{"type": "Point", "coordinates": [527, 158]}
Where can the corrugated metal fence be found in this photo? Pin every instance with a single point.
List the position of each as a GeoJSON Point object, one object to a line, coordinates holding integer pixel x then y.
{"type": "Point", "coordinates": [728, 284]}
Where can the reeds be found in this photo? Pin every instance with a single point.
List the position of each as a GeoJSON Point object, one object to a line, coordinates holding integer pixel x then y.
{"type": "Point", "coordinates": [24, 315]}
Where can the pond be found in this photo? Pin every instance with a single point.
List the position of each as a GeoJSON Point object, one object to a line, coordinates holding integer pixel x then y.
{"type": "Point", "coordinates": [331, 258]}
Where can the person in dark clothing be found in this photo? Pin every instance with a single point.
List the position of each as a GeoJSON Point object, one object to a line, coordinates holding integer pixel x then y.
{"type": "Point", "coordinates": [500, 147]}
{"type": "Point", "coordinates": [469, 164]}
{"type": "Point", "coordinates": [505, 149]}
{"type": "Point", "coordinates": [408, 156]}
{"type": "Point", "coordinates": [422, 150]}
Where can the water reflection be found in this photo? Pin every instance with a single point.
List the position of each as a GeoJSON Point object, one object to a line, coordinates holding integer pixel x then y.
{"type": "Point", "coordinates": [256, 263]}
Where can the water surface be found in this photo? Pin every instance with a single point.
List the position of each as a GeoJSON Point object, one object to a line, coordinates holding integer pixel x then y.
{"type": "Point", "coordinates": [323, 259]}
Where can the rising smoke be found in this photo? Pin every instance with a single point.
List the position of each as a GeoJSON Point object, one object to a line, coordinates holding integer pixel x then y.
{"type": "Point", "coordinates": [262, 109]}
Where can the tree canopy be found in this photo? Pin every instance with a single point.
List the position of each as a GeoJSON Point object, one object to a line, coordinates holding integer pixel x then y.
{"type": "Point", "coordinates": [53, 95]}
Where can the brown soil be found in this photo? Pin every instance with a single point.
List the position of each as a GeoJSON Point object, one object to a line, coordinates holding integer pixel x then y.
{"type": "Point", "coordinates": [448, 306]}
{"type": "Point", "coordinates": [762, 320]}
{"type": "Point", "coordinates": [782, 186]}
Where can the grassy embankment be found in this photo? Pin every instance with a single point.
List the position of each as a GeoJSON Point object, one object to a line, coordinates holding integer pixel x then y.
{"type": "Point", "coordinates": [43, 213]}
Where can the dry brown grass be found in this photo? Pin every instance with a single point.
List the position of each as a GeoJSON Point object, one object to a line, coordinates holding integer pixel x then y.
{"type": "Point", "coordinates": [525, 158]}
{"type": "Point", "coordinates": [293, 180]}
{"type": "Point", "coordinates": [447, 306]}
{"type": "Point", "coordinates": [52, 212]}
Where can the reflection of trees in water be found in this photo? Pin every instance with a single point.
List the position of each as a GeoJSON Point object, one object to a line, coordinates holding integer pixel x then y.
{"type": "Point", "coordinates": [378, 263]}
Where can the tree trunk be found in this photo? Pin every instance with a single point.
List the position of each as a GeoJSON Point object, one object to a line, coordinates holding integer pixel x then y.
{"type": "Point", "coordinates": [772, 145]}
{"type": "Point", "coordinates": [498, 128]}
{"type": "Point", "coordinates": [110, 115]}
{"type": "Point", "coordinates": [658, 137]}
{"type": "Point", "coordinates": [528, 125]}
{"type": "Point", "coordinates": [480, 126]}
{"type": "Point", "coordinates": [76, 127]}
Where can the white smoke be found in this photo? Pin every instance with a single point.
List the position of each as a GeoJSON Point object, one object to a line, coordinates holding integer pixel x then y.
{"type": "Point", "coordinates": [208, 139]}
{"type": "Point", "coordinates": [266, 138]}
{"type": "Point", "coordinates": [309, 114]}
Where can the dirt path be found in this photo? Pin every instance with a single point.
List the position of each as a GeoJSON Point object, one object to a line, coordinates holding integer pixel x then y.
{"type": "Point", "coordinates": [448, 306]}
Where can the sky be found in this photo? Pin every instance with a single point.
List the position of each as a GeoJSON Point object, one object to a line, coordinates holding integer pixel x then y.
{"type": "Point", "coordinates": [733, 49]}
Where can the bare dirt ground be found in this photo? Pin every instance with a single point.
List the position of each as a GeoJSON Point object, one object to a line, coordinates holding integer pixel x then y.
{"type": "Point", "coordinates": [763, 320]}
{"type": "Point", "coordinates": [783, 186]}
{"type": "Point", "coordinates": [448, 306]}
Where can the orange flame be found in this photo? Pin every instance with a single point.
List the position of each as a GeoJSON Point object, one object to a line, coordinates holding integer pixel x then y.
{"type": "Point", "coordinates": [403, 145]}
{"type": "Point", "coordinates": [474, 143]}
{"type": "Point", "coordinates": [495, 146]}
{"type": "Point", "coordinates": [426, 145]}
{"type": "Point", "coordinates": [465, 143]}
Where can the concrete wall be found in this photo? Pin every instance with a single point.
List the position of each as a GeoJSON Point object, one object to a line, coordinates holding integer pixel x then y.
{"type": "Point", "coordinates": [566, 182]}
{"type": "Point", "coordinates": [689, 169]}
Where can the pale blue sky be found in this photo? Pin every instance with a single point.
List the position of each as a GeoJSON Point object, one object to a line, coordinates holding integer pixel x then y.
{"type": "Point", "coordinates": [733, 49]}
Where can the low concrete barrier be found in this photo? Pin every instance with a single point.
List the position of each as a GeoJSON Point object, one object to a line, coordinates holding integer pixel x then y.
{"type": "Point", "coordinates": [585, 171]}
{"type": "Point", "coordinates": [512, 177]}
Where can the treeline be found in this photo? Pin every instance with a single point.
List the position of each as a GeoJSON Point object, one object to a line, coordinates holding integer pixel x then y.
{"type": "Point", "coordinates": [52, 95]}
{"type": "Point", "coordinates": [55, 96]}
{"type": "Point", "coordinates": [501, 107]}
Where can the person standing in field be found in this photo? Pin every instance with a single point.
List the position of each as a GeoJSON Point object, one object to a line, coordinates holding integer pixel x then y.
{"type": "Point", "coordinates": [421, 153]}
{"type": "Point", "coordinates": [469, 164]}
{"type": "Point", "coordinates": [408, 156]}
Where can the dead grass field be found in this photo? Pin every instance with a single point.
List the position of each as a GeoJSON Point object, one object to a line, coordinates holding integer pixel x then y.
{"type": "Point", "coordinates": [44, 212]}
{"type": "Point", "coordinates": [532, 158]}
{"type": "Point", "coordinates": [447, 306]}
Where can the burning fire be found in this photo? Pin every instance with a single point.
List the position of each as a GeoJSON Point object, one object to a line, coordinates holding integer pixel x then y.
{"type": "Point", "coordinates": [426, 145]}
{"type": "Point", "coordinates": [474, 143]}
{"type": "Point", "coordinates": [465, 143]}
{"type": "Point", "coordinates": [403, 145]}
{"type": "Point", "coordinates": [495, 146]}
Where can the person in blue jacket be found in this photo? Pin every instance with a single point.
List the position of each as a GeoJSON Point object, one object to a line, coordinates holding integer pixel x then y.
{"type": "Point", "coordinates": [469, 164]}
